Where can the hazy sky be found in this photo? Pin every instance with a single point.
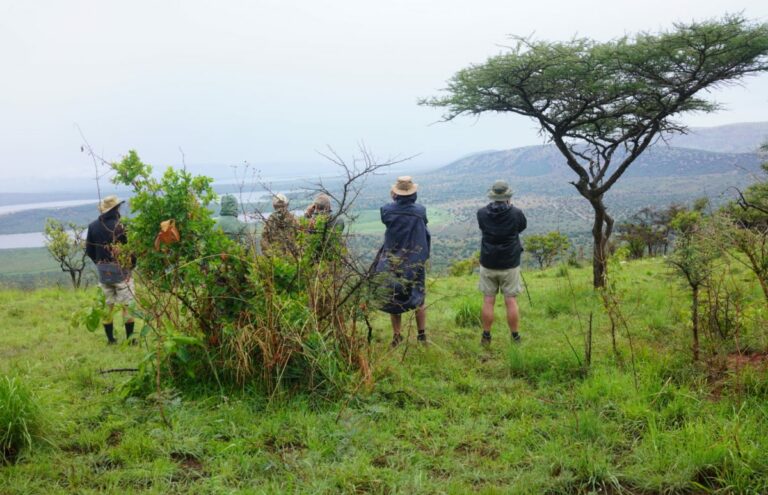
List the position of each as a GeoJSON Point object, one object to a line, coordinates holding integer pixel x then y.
{"type": "Point", "coordinates": [272, 81]}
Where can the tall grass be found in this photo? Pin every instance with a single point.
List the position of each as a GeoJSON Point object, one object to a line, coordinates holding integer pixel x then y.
{"type": "Point", "coordinates": [20, 418]}
{"type": "Point", "coordinates": [467, 313]}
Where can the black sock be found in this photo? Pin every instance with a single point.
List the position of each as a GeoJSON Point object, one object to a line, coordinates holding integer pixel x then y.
{"type": "Point", "coordinates": [109, 330]}
{"type": "Point", "coordinates": [128, 329]}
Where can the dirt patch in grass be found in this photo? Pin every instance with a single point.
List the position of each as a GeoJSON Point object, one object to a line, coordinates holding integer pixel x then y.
{"type": "Point", "coordinates": [478, 449]}
{"type": "Point", "coordinates": [114, 438]}
{"type": "Point", "coordinates": [8, 455]}
{"type": "Point", "coordinates": [187, 461]}
{"type": "Point", "coordinates": [721, 369]}
{"type": "Point", "coordinates": [191, 468]}
{"type": "Point", "coordinates": [738, 361]}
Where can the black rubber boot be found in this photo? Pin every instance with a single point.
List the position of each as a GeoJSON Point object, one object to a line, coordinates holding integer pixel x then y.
{"type": "Point", "coordinates": [109, 329]}
{"type": "Point", "coordinates": [129, 331]}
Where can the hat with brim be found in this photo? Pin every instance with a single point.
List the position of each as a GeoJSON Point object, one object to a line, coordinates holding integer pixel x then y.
{"type": "Point", "coordinates": [322, 202]}
{"type": "Point", "coordinates": [404, 186]}
{"type": "Point", "coordinates": [109, 203]}
{"type": "Point", "coordinates": [279, 200]}
{"type": "Point", "coordinates": [500, 191]}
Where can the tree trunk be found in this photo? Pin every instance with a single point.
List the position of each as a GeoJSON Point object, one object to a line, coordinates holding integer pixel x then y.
{"type": "Point", "coordinates": [601, 232]}
{"type": "Point", "coordinates": [695, 322]}
{"type": "Point", "coordinates": [763, 285]}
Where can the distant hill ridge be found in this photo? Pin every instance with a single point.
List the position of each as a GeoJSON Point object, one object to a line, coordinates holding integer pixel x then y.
{"type": "Point", "coordinates": [680, 158]}
{"type": "Point", "coordinates": [745, 137]}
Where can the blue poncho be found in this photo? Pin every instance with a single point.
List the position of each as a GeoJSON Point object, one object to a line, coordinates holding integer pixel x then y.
{"type": "Point", "coordinates": [404, 254]}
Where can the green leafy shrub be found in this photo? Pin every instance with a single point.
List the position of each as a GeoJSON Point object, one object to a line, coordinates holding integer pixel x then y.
{"type": "Point", "coordinates": [464, 267]}
{"type": "Point", "coordinates": [545, 248]}
{"type": "Point", "coordinates": [467, 313]}
{"type": "Point", "coordinates": [20, 418]}
{"type": "Point", "coordinates": [219, 313]}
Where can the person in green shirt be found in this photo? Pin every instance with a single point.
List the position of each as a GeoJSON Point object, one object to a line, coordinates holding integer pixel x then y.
{"type": "Point", "coordinates": [228, 221]}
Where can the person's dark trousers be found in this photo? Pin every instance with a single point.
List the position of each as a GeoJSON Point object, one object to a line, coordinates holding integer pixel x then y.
{"type": "Point", "coordinates": [128, 330]}
{"type": "Point", "coordinates": [109, 329]}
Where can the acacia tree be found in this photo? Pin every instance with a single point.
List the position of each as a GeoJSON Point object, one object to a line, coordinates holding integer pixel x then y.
{"type": "Point", "coordinates": [66, 247]}
{"type": "Point", "coordinates": [693, 258]}
{"type": "Point", "coordinates": [602, 104]}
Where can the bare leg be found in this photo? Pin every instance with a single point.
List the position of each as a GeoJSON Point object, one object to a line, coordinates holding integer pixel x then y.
{"type": "Point", "coordinates": [421, 318]}
{"type": "Point", "coordinates": [126, 317]}
{"type": "Point", "coordinates": [396, 323]}
{"type": "Point", "coordinates": [110, 316]}
{"type": "Point", "coordinates": [486, 315]}
{"type": "Point", "coordinates": [513, 314]}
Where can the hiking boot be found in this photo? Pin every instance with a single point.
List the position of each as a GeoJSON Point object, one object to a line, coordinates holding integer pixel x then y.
{"type": "Point", "coordinates": [422, 337]}
{"type": "Point", "coordinates": [110, 333]}
{"type": "Point", "coordinates": [128, 330]}
{"type": "Point", "coordinates": [485, 340]}
{"type": "Point", "coordinates": [396, 339]}
{"type": "Point", "coordinates": [516, 337]}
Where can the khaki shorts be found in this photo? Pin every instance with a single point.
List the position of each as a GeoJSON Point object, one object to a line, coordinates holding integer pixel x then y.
{"type": "Point", "coordinates": [505, 281]}
{"type": "Point", "coordinates": [120, 293]}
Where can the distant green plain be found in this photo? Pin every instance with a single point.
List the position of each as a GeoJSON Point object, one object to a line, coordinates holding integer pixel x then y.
{"type": "Point", "coordinates": [369, 221]}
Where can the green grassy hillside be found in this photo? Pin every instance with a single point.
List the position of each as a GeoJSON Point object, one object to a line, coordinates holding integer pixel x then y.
{"type": "Point", "coordinates": [451, 417]}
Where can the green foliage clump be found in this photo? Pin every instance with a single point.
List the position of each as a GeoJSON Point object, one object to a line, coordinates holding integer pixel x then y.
{"type": "Point", "coordinates": [20, 418]}
{"type": "Point", "coordinates": [464, 267]}
{"type": "Point", "coordinates": [221, 313]}
{"type": "Point", "coordinates": [545, 248]}
{"type": "Point", "coordinates": [467, 313]}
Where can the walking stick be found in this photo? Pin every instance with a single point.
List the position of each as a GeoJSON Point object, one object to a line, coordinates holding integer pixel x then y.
{"type": "Point", "coordinates": [525, 285]}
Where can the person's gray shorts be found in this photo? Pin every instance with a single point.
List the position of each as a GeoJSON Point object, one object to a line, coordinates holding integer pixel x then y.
{"type": "Point", "coordinates": [118, 294]}
{"type": "Point", "coordinates": [505, 281]}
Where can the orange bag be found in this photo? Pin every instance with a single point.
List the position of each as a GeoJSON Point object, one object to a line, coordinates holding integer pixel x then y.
{"type": "Point", "coordinates": [168, 234]}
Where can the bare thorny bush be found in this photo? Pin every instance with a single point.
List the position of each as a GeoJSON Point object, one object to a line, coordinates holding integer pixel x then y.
{"type": "Point", "coordinates": [290, 320]}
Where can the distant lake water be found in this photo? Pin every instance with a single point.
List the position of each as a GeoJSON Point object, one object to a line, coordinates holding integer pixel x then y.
{"type": "Point", "coordinates": [7, 209]}
{"type": "Point", "coordinates": [34, 239]}
{"type": "Point", "coordinates": [30, 240]}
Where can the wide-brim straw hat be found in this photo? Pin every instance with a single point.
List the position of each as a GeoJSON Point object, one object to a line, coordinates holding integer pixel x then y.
{"type": "Point", "coordinates": [404, 186]}
{"type": "Point", "coordinates": [500, 191]}
{"type": "Point", "coordinates": [108, 203]}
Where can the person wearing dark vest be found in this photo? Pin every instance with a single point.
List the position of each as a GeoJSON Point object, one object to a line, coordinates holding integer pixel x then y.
{"type": "Point", "coordinates": [105, 235]}
{"type": "Point", "coordinates": [403, 257]}
{"type": "Point", "coordinates": [500, 251]}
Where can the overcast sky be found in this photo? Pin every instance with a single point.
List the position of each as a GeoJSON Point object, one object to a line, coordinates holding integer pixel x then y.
{"type": "Point", "coordinates": [272, 81]}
